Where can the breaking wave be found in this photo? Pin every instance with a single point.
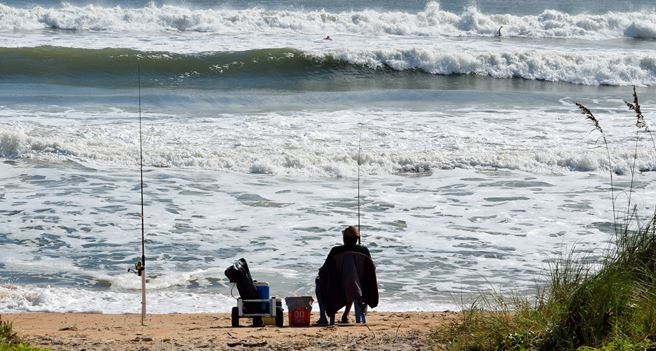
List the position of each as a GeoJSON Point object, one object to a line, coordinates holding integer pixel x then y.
{"type": "Point", "coordinates": [611, 68]}
{"type": "Point", "coordinates": [585, 69]}
{"type": "Point", "coordinates": [641, 30]}
{"type": "Point", "coordinates": [325, 161]}
{"type": "Point", "coordinates": [432, 21]}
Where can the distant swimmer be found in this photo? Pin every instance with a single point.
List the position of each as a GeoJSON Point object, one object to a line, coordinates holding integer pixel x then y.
{"type": "Point", "coordinates": [499, 31]}
{"type": "Point", "coordinates": [327, 38]}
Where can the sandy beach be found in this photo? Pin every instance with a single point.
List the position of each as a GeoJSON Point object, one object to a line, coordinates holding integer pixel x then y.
{"type": "Point", "coordinates": [79, 331]}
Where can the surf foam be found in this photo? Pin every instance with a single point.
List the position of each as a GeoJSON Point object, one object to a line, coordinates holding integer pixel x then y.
{"type": "Point", "coordinates": [272, 143]}
{"type": "Point", "coordinates": [432, 21]}
{"type": "Point", "coordinates": [586, 68]}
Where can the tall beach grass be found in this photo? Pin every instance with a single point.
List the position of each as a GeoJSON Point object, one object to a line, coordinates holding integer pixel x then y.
{"type": "Point", "coordinates": [610, 305]}
{"type": "Point", "coordinates": [10, 341]}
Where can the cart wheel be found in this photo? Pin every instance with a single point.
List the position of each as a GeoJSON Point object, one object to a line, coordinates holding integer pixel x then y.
{"type": "Point", "coordinates": [235, 317]}
{"type": "Point", "coordinates": [279, 317]}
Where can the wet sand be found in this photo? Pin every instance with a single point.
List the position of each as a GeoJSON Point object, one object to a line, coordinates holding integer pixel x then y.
{"type": "Point", "coordinates": [79, 331]}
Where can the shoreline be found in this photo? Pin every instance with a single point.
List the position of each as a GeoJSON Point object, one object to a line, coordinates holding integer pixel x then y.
{"type": "Point", "coordinates": [213, 331]}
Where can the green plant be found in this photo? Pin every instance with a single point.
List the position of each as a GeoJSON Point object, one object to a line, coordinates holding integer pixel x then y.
{"type": "Point", "coordinates": [7, 334]}
{"type": "Point", "coordinates": [617, 301]}
{"type": "Point", "coordinates": [9, 340]}
{"type": "Point", "coordinates": [610, 308]}
{"type": "Point", "coordinates": [517, 341]}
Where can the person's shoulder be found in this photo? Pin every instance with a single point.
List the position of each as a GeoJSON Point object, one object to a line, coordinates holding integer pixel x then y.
{"type": "Point", "coordinates": [338, 249]}
{"type": "Point", "coordinates": [365, 251]}
{"type": "Point", "coordinates": [349, 248]}
{"type": "Point", "coordinates": [357, 248]}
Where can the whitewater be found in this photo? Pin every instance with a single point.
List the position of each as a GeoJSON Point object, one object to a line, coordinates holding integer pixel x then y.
{"type": "Point", "coordinates": [477, 169]}
{"type": "Point", "coordinates": [584, 49]}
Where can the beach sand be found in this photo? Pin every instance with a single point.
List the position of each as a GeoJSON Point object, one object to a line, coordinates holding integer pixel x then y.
{"type": "Point", "coordinates": [81, 331]}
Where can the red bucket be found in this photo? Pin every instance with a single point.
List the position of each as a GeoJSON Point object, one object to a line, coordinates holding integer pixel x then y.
{"type": "Point", "coordinates": [299, 308]}
{"type": "Point", "coordinates": [299, 317]}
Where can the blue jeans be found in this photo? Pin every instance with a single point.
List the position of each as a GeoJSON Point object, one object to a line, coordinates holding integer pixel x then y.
{"type": "Point", "coordinates": [360, 312]}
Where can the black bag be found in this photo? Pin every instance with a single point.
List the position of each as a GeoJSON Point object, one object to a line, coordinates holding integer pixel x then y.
{"type": "Point", "coordinates": [238, 273]}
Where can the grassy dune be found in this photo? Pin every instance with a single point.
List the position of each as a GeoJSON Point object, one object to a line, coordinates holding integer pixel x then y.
{"type": "Point", "coordinates": [610, 307]}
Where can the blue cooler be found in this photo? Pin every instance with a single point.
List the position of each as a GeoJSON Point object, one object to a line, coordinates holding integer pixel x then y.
{"type": "Point", "coordinates": [263, 293]}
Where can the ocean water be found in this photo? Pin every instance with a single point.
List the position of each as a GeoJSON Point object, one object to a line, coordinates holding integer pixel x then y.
{"type": "Point", "coordinates": [477, 169]}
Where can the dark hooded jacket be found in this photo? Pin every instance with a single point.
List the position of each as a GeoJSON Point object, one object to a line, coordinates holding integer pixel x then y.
{"type": "Point", "coordinates": [347, 277]}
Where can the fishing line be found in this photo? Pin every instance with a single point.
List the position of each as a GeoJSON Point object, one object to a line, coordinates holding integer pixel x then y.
{"type": "Point", "coordinates": [141, 270]}
{"type": "Point", "coordinates": [143, 235]}
{"type": "Point", "coordinates": [359, 153]}
{"type": "Point", "coordinates": [140, 267]}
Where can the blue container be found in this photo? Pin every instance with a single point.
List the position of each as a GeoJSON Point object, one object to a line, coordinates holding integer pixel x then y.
{"type": "Point", "coordinates": [263, 293]}
{"type": "Point", "coordinates": [262, 289]}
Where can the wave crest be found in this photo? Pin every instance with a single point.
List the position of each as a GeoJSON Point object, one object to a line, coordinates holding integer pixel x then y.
{"type": "Point", "coordinates": [612, 68]}
{"type": "Point", "coordinates": [11, 145]}
{"type": "Point", "coordinates": [641, 30]}
{"type": "Point", "coordinates": [432, 21]}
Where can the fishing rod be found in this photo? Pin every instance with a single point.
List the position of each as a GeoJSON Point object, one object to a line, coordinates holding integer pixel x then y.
{"type": "Point", "coordinates": [143, 236]}
{"type": "Point", "coordinates": [140, 267]}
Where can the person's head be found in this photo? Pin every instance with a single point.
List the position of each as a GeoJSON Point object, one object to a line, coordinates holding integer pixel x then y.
{"type": "Point", "coordinates": [351, 235]}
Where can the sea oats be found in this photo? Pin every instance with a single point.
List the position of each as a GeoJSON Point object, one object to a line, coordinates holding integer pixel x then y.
{"type": "Point", "coordinates": [635, 106]}
{"type": "Point", "coordinates": [589, 115]}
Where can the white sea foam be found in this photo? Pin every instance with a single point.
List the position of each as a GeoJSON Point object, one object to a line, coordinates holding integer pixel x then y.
{"type": "Point", "coordinates": [22, 298]}
{"type": "Point", "coordinates": [11, 145]}
{"type": "Point", "coordinates": [610, 68]}
{"type": "Point", "coordinates": [15, 299]}
{"type": "Point", "coordinates": [432, 21]}
{"type": "Point", "coordinates": [273, 144]}
{"type": "Point", "coordinates": [641, 29]}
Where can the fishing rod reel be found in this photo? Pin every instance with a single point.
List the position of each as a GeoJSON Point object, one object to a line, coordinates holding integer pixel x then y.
{"type": "Point", "coordinates": [138, 268]}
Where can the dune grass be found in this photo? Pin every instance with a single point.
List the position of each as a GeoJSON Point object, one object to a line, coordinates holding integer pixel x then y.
{"type": "Point", "coordinates": [9, 340]}
{"type": "Point", "coordinates": [609, 307]}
